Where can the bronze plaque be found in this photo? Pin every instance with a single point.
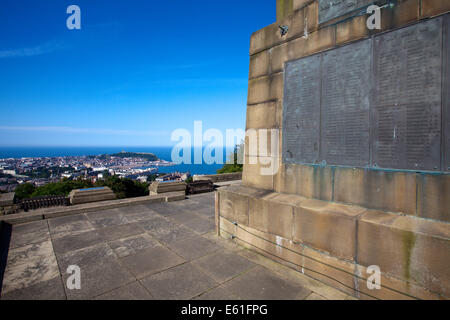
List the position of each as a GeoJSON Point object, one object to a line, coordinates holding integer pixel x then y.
{"type": "Point", "coordinates": [346, 83]}
{"type": "Point", "coordinates": [330, 9]}
{"type": "Point", "coordinates": [301, 115]}
{"type": "Point", "coordinates": [383, 102]}
{"type": "Point", "coordinates": [408, 97]}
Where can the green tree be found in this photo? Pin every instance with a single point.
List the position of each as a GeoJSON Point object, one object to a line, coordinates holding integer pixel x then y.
{"type": "Point", "coordinates": [61, 188]}
{"type": "Point", "coordinates": [24, 190]}
{"type": "Point", "coordinates": [124, 188]}
{"type": "Point", "coordinates": [235, 164]}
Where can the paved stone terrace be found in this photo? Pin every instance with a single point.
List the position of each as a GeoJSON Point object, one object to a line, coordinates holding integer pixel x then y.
{"type": "Point", "coordinates": [154, 251]}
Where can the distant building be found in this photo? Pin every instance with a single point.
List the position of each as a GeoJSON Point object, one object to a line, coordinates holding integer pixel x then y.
{"type": "Point", "coordinates": [142, 178]}
{"type": "Point", "coordinates": [10, 172]}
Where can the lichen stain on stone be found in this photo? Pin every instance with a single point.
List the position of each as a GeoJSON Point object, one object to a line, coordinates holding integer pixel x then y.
{"type": "Point", "coordinates": [409, 242]}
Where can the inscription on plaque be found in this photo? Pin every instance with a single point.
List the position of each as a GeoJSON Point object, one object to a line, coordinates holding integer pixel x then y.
{"type": "Point", "coordinates": [302, 105]}
{"type": "Point", "coordinates": [408, 97]}
{"type": "Point", "coordinates": [381, 102]}
{"type": "Point", "coordinates": [330, 9]}
{"type": "Point", "coordinates": [345, 104]}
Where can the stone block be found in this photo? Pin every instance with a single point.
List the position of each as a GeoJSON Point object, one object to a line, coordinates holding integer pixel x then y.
{"type": "Point", "coordinates": [233, 206]}
{"type": "Point", "coordinates": [376, 189]}
{"type": "Point", "coordinates": [299, 4]}
{"type": "Point", "coordinates": [259, 171]}
{"type": "Point", "coordinates": [284, 8]}
{"type": "Point", "coordinates": [276, 247]}
{"type": "Point", "coordinates": [433, 200]}
{"type": "Point", "coordinates": [7, 199]}
{"type": "Point", "coordinates": [257, 41]}
{"type": "Point", "coordinates": [391, 288]}
{"type": "Point", "coordinates": [404, 12]}
{"type": "Point", "coordinates": [219, 177]}
{"type": "Point", "coordinates": [278, 56]}
{"type": "Point", "coordinates": [297, 27]}
{"type": "Point", "coordinates": [412, 249]}
{"type": "Point", "coordinates": [259, 64]}
{"type": "Point", "coordinates": [268, 37]}
{"type": "Point", "coordinates": [261, 116]}
{"type": "Point", "coordinates": [434, 7]}
{"type": "Point", "coordinates": [81, 196]}
{"type": "Point", "coordinates": [329, 270]}
{"type": "Point", "coordinates": [276, 86]}
{"type": "Point", "coordinates": [269, 215]}
{"type": "Point", "coordinates": [262, 142]}
{"type": "Point", "coordinates": [312, 17]}
{"type": "Point", "coordinates": [175, 196]}
{"type": "Point", "coordinates": [307, 181]}
{"type": "Point", "coordinates": [169, 186]}
{"type": "Point", "coordinates": [315, 42]}
{"type": "Point", "coordinates": [352, 30]}
{"type": "Point", "coordinates": [259, 90]}
{"type": "Point", "coordinates": [328, 227]}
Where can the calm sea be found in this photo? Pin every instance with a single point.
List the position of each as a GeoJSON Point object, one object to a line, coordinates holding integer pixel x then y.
{"type": "Point", "coordinates": [161, 152]}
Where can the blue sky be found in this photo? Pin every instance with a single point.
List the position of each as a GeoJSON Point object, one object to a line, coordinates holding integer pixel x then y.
{"type": "Point", "coordinates": [136, 71]}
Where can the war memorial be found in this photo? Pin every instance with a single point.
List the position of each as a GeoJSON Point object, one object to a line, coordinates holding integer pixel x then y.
{"type": "Point", "coordinates": [360, 164]}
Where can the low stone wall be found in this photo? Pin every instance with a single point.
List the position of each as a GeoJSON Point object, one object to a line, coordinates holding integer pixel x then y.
{"type": "Point", "coordinates": [224, 177]}
{"type": "Point", "coordinates": [7, 203]}
{"type": "Point", "coordinates": [164, 187]}
{"type": "Point", "coordinates": [7, 199]}
{"type": "Point", "coordinates": [335, 242]}
{"type": "Point", "coordinates": [48, 213]}
{"type": "Point", "coordinates": [91, 195]}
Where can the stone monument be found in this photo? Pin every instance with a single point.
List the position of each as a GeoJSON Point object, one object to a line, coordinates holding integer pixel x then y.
{"type": "Point", "coordinates": [357, 178]}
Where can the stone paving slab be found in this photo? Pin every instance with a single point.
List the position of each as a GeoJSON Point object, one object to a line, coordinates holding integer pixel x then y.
{"type": "Point", "coordinates": [180, 283]}
{"type": "Point", "coordinates": [151, 260]}
{"type": "Point", "coordinates": [93, 257]}
{"type": "Point", "coordinates": [262, 284]}
{"type": "Point", "coordinates": [97, 281]}
{"type": "Point", "coordinates": [29, 233]}
{"type": "Point", "coordinates": [120, 232]}
{"type": "Point", "coordinates": [132, 291]}
{"type": "Point", "coordinates": [146, 251]}
{"type": "Point", "coordinates": [79, 241]}
{"type": "Point", "coordinates": [223, 266]}
{"type": "Point", "coordinates": [69, 226]}
{"type": "Point", "coordinates": [171, 234]}
{"type": "Point", "coordinates": [107, 218]}
{"type": "Point", "coordinates": [193, 248]}
{"type": "Point", "coordinates": [29, 265]}
{"type": "Point", "coordinates": [132, 245]}
{"type": "Point", "coordinates": [47, 290]}
{"type": "Point", "coordinates": [217, 293]}
{"type": "Point", "coordinates": [138, 213]}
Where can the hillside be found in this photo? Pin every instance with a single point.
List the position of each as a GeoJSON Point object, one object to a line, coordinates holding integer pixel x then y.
{"type": "Point", "coordinates": [145, 156]}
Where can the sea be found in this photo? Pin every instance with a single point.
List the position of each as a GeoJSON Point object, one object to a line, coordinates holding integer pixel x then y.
{"type": "Point", "coordinates": [163, 153]}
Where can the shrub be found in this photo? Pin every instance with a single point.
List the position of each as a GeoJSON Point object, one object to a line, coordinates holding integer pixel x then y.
{"type": "Point", "coordinates": [237, 165]}
{"type": "Point", "coordinates": [24, 191]}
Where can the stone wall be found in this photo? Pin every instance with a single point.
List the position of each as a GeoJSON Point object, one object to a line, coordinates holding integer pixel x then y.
{"type": "Point", "coordinates": [224, 177]}
{"type": "Point", "coordinates": [333, 222]}
{"type": "Point", "coordinates": [269, 51]}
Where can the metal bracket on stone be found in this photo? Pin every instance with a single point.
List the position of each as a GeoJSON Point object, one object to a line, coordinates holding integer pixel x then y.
{"type": "Point", "coordinates": [284, 30]}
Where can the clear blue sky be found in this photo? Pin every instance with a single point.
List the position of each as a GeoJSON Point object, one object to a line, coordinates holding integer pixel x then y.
{"type": "Point", "coordinates": [137, 69]}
